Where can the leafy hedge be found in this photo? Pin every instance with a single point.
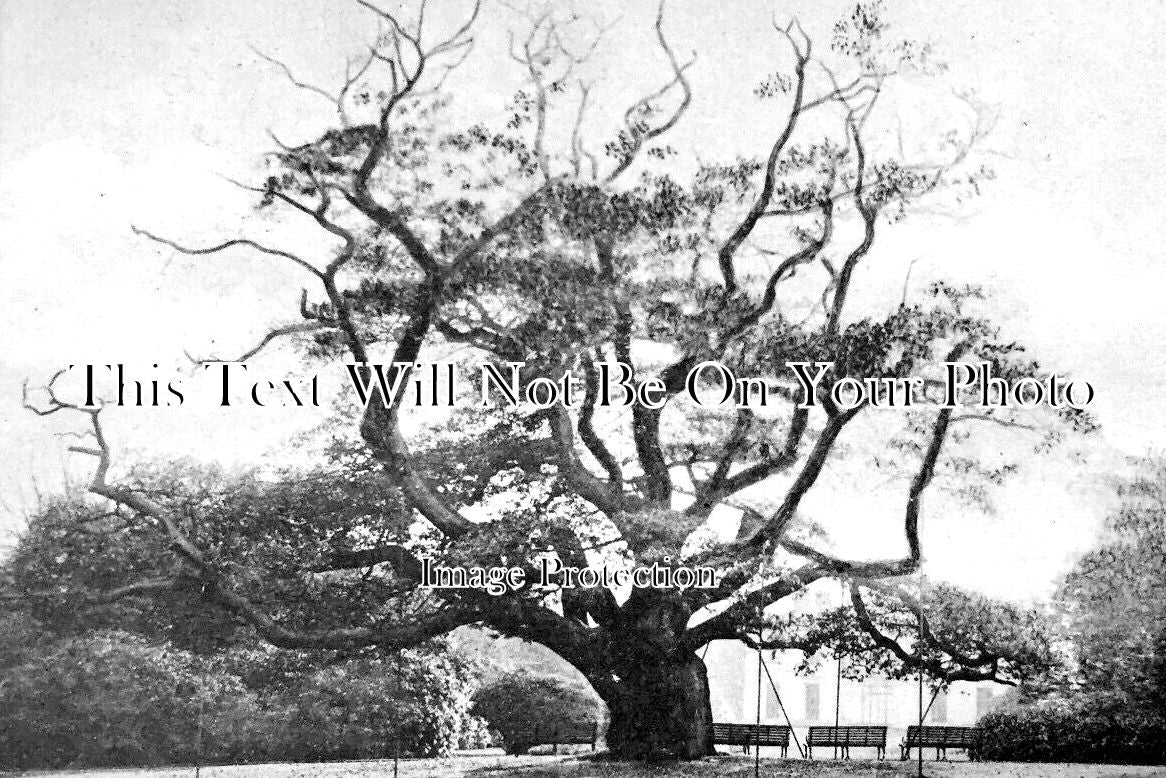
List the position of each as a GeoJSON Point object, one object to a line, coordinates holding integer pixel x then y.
{"type": "Point", "coordinates": [1093, 727]}
{"type": "Point", "coordinates": [516, 702]}
{"type": "Point", "coordinates": [371, 708]}
{"type": "Point", "coordinates": [115, 699]}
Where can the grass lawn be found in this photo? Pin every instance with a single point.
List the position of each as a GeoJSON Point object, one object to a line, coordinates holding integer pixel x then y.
{"type": "Point", "coordinates": [496, 765]}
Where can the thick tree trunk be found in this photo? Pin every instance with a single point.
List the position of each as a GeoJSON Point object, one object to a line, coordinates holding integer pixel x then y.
{"type": "Point", "coordinates": [660, 709]}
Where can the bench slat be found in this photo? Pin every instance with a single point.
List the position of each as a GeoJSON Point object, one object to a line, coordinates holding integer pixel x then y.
{"type": "Point", "coordinates": [863, 736]}
{"type": "Point", "coordinates": [751, 734]}
{"type": "Point", "coordinates": [847, 737]}
{"type": "Point", "coordinates": [941, 737]}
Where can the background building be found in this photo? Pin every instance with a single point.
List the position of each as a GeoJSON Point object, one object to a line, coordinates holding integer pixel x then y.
{"type": "Point", "coordinates": [814, 698]}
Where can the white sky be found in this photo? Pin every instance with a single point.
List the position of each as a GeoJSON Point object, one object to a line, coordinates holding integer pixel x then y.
{"type": "Point", "coordinates": [129, 111]}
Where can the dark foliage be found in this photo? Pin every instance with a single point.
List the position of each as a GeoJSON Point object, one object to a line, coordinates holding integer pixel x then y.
{"type": "Point", "coordinates": [516, 703]}
{"type": "Point", "coordinates": [114, 699]}
{"type": "Point", "coordinates": [1108, 703]}
{"type": "Point", "coordinates": [111, 698]}
{"type": "Point", "coordinates": [1095, 727]}
{"type": "Point", "coordinates": [374, 708]}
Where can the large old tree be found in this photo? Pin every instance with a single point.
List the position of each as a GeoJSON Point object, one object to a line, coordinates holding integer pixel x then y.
{"type": "Point", "coordinates": [545, 241]}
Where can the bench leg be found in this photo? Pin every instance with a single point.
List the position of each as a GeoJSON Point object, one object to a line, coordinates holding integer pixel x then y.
{"type": "Point", "coordinates": [904, 753]}
{"type": "Point", "coordinates": [809, 752]}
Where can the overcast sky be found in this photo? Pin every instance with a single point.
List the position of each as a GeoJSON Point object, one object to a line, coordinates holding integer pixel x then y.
{"type": "Point", "coordinates": [125, 111]}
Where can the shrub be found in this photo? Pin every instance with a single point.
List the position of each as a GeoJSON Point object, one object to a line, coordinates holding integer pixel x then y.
{"type": "Point", "coordinates": [516, 702]}
{"type": "Point", "coordinates": [369, 708]}
{"type": "Point", "coordinates": [114, 699]}
{"type": "Point", "coordinates": [477, 734]}
{"type": "Point", "coordinates": [1088, 727]}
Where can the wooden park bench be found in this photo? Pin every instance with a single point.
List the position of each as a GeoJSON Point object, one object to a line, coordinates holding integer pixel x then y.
{"type": "Point", "coordinates": [555, 735]}
{"type": "Point", "coordinates": [939, 738]}
{"type": "Point", "coordinates": [746, 735]}
{"type": "Point", "coordinates": [860, 736]}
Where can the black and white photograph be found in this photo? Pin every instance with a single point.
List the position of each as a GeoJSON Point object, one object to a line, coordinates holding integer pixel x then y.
{"type": "Point", "coordinates": [582, 388]}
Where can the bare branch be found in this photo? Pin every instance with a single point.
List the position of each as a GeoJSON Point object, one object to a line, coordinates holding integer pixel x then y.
{"type": "Point", "coordinates": [360, 196]}
{"type": "Point", "coordinates": [775, 525]}
{"type": "Point", "coordinates": [587, 431]}
{"type": "Point", "coordinates": [734, 621]}
{"type": "Point", "coordinates": [229, 244]}
{"type": "Point", "coordinates": [602, 496]}
{"type": "Point", "coordinates": [788, 268]}
{"type": "Point", "coordinates": [334, 99]}
{"type": "Point", "coordinates": [639, 135]}
{"type": "Point", "coordinates": [989, 418]}
{"type": "Point", "coordinates": [577, 149]}
{"type": "Point", "coordinates": [645, 421]}
{"type": "Point", "coordinates": [149, 587]}
{"type": "Point", "coordinates": [728, 250]}
{"type": "Point", "coordinates": [271, 336]}
{"type": "Point", "coordinates": [869, 213]}
{"type": "Point", "coordinates": [500, 227]}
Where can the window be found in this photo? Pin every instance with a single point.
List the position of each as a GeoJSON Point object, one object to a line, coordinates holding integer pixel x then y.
{"type": "Point", "coordinates": [938, 714]}
{"type": "Point", "coordinates": [876, 697]}
{"type": "Point", "coordinates": [770, 708]}
{"type": "Point", "coordinates": [813, 702]}
{"type": "Point", "coordinates": [984, 701]}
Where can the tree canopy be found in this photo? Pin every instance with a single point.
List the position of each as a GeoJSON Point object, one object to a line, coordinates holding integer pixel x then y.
{"type": "Point", "coordinates": [547, 241]}
{"type": "Point", "coordinates": [1114, 598]}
